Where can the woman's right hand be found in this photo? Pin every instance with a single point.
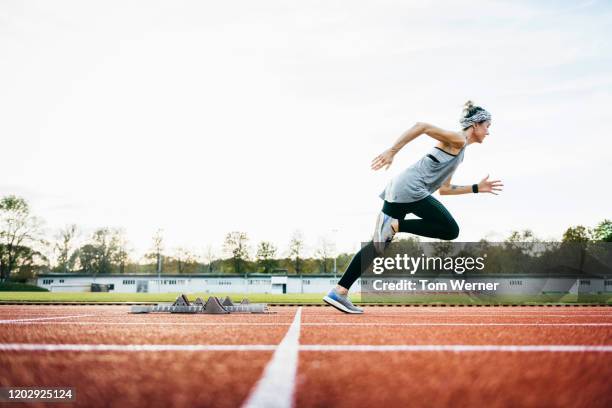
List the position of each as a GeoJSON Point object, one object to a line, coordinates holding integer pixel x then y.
{"type": "Point", "coordinates": [383, 159]}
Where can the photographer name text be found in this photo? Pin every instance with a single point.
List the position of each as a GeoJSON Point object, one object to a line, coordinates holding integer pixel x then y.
{"type": "Point", "coordinates": [458, 285]}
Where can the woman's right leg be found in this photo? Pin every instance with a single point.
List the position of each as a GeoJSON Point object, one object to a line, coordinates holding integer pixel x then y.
{"type": "Point", "coordinates": [360, 262]}
{"type": "Point", "coordinates": [365, 256]}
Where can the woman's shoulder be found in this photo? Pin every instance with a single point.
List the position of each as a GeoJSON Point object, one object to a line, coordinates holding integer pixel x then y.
{"type": "Point", "coordinates": [449, 148]}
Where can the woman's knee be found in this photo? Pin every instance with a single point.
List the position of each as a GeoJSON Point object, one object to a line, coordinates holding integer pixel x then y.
{"type": "Point", "coordinates": [450, 231]}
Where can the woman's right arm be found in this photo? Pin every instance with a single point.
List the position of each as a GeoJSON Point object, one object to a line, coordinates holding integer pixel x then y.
{"type": "Point", "coordinates": [447, 137]}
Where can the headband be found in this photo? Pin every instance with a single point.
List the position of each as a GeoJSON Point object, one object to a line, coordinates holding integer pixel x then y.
{"type": "Point", "coordinates": [478, 117]}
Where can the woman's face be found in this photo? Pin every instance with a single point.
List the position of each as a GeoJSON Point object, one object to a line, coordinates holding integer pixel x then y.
{"type": "Point", "coordinates": [481, 130]}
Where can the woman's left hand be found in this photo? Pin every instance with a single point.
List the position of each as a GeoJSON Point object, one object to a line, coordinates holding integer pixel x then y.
{"type": "Point", "coordinates": [486, 186]}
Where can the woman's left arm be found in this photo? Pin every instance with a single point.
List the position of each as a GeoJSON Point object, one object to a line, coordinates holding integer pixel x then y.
{"type": "Point", "coordinates": [485, 186]}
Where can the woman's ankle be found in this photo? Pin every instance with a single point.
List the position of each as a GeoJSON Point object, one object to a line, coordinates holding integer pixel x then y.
{"type": "Point", "coordinates": [341, 290]}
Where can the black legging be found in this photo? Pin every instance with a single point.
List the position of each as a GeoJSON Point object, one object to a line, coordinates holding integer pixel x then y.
{"type": "Point", "coordinates": [435, 222]}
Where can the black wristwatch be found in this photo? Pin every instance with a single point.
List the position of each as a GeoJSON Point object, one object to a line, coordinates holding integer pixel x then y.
{"type": "Point", "coordinates": [474, 188]}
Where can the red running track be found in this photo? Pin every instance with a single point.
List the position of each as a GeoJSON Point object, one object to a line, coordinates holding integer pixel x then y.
{"type": "Point", "coordinates": [418, 357]}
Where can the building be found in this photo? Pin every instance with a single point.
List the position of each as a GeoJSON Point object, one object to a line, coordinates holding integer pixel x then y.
{"type": "Point", "coordinates": [278, 284]}
{"type": "Point", "coordinates": [206, 283]}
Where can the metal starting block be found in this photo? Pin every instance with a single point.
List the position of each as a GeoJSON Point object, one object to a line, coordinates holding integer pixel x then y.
{"type": "Point", "coordinates": [212, 306]}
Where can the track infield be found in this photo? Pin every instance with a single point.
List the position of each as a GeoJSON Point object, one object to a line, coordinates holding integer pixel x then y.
{"type": "Point", "coordinates": [313, 356]}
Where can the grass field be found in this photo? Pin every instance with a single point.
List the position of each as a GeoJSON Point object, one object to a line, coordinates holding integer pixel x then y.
{"type": "Point", "coordinates": [152, 297]}
{"type": "Point", "coordinates": [297, 298]}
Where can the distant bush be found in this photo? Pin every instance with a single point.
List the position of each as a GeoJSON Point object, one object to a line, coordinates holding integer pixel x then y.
{"type": "Point", "coordinates": [20, 287]}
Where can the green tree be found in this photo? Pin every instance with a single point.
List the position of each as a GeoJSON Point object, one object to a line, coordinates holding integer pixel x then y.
{"type": "Point", "coordinates": [85, 258]}
{"type": "Point", "coordinates": [64, 248]}
{"type": "Point", "coordinates": [31, 262]}
{"type": "Point", "coordinates": [185, 260]}
{"type": "Point", "coordinates": [120, 257]}
{"type": "Point", "coordinates": [20, 231]}
{"type": "Point", "coordinates": [603, 231]}
{"type": "Point", "coordinates": [296, 246]}
{"type": "Point", "coordinates": [156, 253]}
{"type": "Point", "coordinates": [443, 248]}
{"type": "Point", "coordinates": [578, 233]}
{"type": "Point", "coordinates": [324, 253]}
{"type": "Point", "coordinates": [526, 235]}
{"type": "Point", "coordinates": [266, 252]}
{"type": "Point", "coordinates": [104, 253]}
{"type": "Point", "coordinates": [236, 245]}
{"type": "Point", "coordinates": [210, 257]}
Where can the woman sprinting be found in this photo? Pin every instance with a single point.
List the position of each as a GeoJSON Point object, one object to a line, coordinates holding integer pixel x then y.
{"type": "Point", "coordinates": [411, 192]}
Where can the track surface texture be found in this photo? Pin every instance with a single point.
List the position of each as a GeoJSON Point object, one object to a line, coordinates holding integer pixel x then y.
{"type": "Point", "coordinates": [312, 357]}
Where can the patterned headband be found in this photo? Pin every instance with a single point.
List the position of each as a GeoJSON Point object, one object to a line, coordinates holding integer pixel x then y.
{"type": "Point", "coordinates": [480, 116]}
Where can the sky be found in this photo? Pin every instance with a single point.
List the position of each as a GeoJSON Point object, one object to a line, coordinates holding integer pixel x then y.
{"type": "Point", "coordinates": [201, 118]}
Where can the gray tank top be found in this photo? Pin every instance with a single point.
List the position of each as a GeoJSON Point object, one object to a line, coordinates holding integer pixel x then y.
{"type": "Point", "coordinates": [423, 177]}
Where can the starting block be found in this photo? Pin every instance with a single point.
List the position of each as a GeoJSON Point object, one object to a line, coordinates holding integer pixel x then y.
{"type": "Point", "coordinates": [212, 306]}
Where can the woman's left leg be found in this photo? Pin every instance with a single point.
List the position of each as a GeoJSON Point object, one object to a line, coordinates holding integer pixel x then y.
{"type": "Point", "coordinates": [435, 222]}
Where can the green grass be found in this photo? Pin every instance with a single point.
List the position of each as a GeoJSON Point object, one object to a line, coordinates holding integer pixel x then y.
{"type": "Point", "coordinates": [21, 287]}
{"type": "Point", "coordinates": [302, 298]}
{"type": "Point", "coordinates": [154, 297]}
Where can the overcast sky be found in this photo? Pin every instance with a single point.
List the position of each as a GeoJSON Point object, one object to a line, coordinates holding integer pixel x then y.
{"type": "Point", "coordinates": [263, 116]}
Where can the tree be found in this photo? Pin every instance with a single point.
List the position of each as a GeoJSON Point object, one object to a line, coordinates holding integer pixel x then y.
{"type": "Point", "coordinates": [266, 252]}
{"type": "Point", "coordinates": [120, 257]}
{"type": "Point", "coordinates": [31, 261]}
{"type": "Point", "coordinates": [522, 236]}
{"type": "Point", "coordinates": [236, 245]}
{"type": "Point", "coordinates": [603, 231]}
{"type": "Point", "coordinates": [578, 233]}
{"type": "Point", "coordinates": [157, 250]}
{"type": "Point", "coordinates": [185, 260]}
{"type": "Point", "coordinates": [104, 253]}
{"type": "Point", "coordinates": [324, 253]}
{"type": "Point", "coordinates": [86, 256]}
{"type": "Point", "coordinates": [296, 246]}
{"type": "Point", "coordinates": [209, 257]}
{"type": "Point", "coordinates": [443, 248]}
{"type": "Point", "coordinates": [63, 247]}
{"type": "Point", "coordinates": [19, 232]}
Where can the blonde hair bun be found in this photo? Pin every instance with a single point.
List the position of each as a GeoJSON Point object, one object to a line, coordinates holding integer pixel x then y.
{"type": "Point", "coordinates": [467, 107]}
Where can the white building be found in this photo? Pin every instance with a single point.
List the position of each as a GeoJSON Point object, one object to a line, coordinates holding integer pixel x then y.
{"type": "Point", "coordinates": [264, 283]}
{"type": "Point", "coordinates": [222, 283]}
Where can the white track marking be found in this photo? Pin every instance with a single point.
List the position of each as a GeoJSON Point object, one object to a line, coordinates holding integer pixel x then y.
{"type": "Point", "coordinates": [276, 386]}
{"type": "Point", "coordinates": [308, 347]}
{"type": "Point", "coordinates": [459, 348]}
{"type": "Point", "coordinates": [134, 347]}
{"type": "Point", "coordinates": [42, 318]}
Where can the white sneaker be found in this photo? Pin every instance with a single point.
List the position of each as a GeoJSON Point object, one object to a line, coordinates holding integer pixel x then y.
{"type": "Point", "coordinates": [383, 233]}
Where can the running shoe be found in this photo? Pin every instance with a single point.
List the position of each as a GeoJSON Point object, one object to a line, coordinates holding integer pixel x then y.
{"type": "Point", "coordinates": [341, 302]}
{"type": "Point", "coordinates": [383, 233]}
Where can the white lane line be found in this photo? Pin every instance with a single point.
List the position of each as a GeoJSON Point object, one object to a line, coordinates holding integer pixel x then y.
{"type": "Point", "coordinates": [134, 347]}
{"type": "Point", "coordinates": [344, 324]}
{"type": "Point", "coordinates": [276, 386]}
{"type": "Point", "coordinates": [459, 348]}
{"type": "Point", "coordinates": [285, 389]}
{"type": "Point", "coordinates": [42, 318]}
